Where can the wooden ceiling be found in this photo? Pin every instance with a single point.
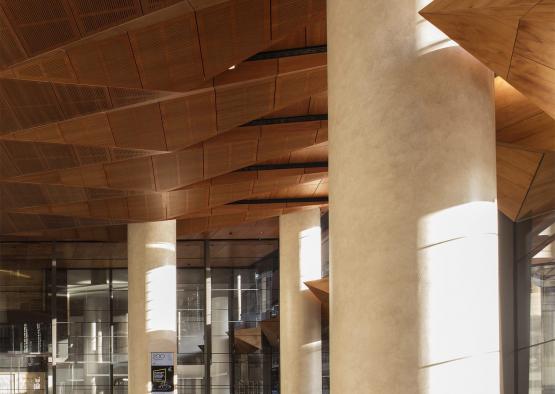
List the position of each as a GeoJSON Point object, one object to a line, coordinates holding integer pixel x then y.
{"type": "Point", "coordinates": [210, 112]}
{"type": "Point", "coordinates": [515, 39]}
{"type": "Point", "coordinates": [214, 112]}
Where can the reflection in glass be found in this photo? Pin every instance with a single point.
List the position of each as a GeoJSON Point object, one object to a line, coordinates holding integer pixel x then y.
{"type": "Point", "coordinates": [24, 330]}
{"type": "Point", "coordinates": [244, 299]}
{"type": "Point", "coordinates": [90, 314]}
{"type": "Point", "coordinates": [190, 329]}
{"type": "Point", "coordinates": [542, 330]}
{"type": "Point", "coordinates": [84, 335]}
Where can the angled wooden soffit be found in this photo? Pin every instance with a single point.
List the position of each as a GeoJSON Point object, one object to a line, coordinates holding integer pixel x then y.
{"type": "Point", "coordinates": [515, 39]}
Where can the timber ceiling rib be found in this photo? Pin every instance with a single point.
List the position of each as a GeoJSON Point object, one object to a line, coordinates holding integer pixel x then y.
{"type": "Point", "coordinates": [37, 104]}
{"type": "Point", "coordinates": [261, 229]}
{"type": "Point", "coordinates": [278, 183]}
{"type": "Point", "coordinates": [221, 154]}
{"type": "Point", "coordinates": [68, 228]}
{"type": "Point", "coordinates": [541, 195]}
{"type": "Point", "coordinates": [251, 90]}
{"type": "Point", "coordinates": [515, 39]}
{"type": "Point", "coordinates": [526, 145]}
{"type": "Point", "coordinates": [516, 169]}
{"type": "Point", "coordinates": [175, 48]}
{"type": "Point", "coordinates": [520, 122]}
{"type": "Point", "coordinates": [113, 112]}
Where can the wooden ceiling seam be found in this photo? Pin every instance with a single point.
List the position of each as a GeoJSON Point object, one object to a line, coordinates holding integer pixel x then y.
{"type": "Point", "coordinates": [122, 111]}
{"type": "Point", "coordinates": [57, 209]}
{"type": "Point", "coordinates": [517, 34]}
{"type": "Point", "coordinates": [51, 157]}
{"type": "Point", "coordinates": [198, 41]}
{"type": "Point", "coordinates": [204, 174]}
{"type": "Point", "coordinates": [162, 126]}
{"type": "Point", "coordinates": [42, 219]}
{"type": "Point", "coordinates": [275, 89]}
{"type": "Point", "coordinates": [125, 26]}
{"type": "Point", "coordinates": [72, 11]}
{"type": "Point", "coordinates": [11, 16]}
{"type": "Point", "coordinates": [540, 196]}
{"type": "Point", "coordinates": [151, 162]}
{"type": "Point", "coordinates": [6, 21]}
{"type": "Point", "coordinates": [109, 94]}
{"type": "Point", "coordinates": [85, 194]}
{"type": "Point", "coordinates": [514, 43]}
{"type": "Point", "coordinates": [8, 105]}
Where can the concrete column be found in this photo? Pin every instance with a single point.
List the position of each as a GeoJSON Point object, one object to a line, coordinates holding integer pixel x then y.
{"type": "Point", "coordinates": [413, 217]}
{"type": "Point", "coordinates": [152, 297]}
{"type": "Point", "coordinates": [300, 324]}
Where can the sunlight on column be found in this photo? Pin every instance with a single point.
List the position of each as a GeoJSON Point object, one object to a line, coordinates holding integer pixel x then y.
{"type": "Point", "coordinates": [161, 245]}
{"type": "Point", "coordinates": [428, 37]}
{"type": "Point", "coordinates": [466, 220]}
{"type": "Point", "coordinates": [161, 301]}
{"type": "Point", "coordinates": [310, 255]}
{"type": "Point", "coordinates": [312, 364]}
{"type": "Point", "coordinates": [459, 299]}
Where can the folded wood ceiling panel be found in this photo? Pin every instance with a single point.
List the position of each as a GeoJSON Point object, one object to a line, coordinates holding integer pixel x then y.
{"type": "Point", "coordinates": [41, 24]}
{"type": "Point", "coordinates": [93, 16]}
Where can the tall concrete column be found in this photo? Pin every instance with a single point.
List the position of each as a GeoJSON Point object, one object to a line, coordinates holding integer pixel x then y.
{"type": "Point", "coordinates": [300, 324]}
{"type": "Point", "coordinates": [152, 297]}
{"type": "Point", "coordinates": [413, 216]}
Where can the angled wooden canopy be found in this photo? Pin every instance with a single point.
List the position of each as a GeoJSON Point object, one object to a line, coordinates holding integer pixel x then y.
{"type": "Point", "coordinates": [320, 288]}
{"type": "Point", "coordinates": [270, 328]}
{"type": "Point", "coordinates": [248, 340]}
{"type": "Point", "coordinates": [515, 39]}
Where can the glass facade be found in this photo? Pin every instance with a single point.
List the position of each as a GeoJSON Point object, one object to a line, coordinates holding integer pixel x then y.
{"type": "Point", "coordinates": [324, 223]}
{"type": "Point", "coordinates": [64, 313]}
{"type": "Point", "coordinates": [64, 330]}
{"type": "Point", "coordinates": [25, 338]}
{"type": "Point", "coordinates": [542, 330]}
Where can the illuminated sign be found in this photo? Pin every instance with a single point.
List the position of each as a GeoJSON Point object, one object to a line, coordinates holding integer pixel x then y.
{"type": "Point", "coordinates": [161, 372]}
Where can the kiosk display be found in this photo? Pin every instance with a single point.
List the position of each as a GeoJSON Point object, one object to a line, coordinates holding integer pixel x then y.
{"type": "Point", "coordinates": [161, 372]}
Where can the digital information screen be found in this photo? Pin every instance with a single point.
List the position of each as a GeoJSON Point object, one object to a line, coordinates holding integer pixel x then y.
{"type": "Point", "coordinates": [161, 372]}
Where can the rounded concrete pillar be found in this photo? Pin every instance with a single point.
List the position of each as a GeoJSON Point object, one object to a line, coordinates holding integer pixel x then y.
{"type": "Point", "coordinates": [413, 216]}
{"type": "Point", "coordinates": [152, 297]}
{"type": "Point", "coordinates": [300, 324]}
